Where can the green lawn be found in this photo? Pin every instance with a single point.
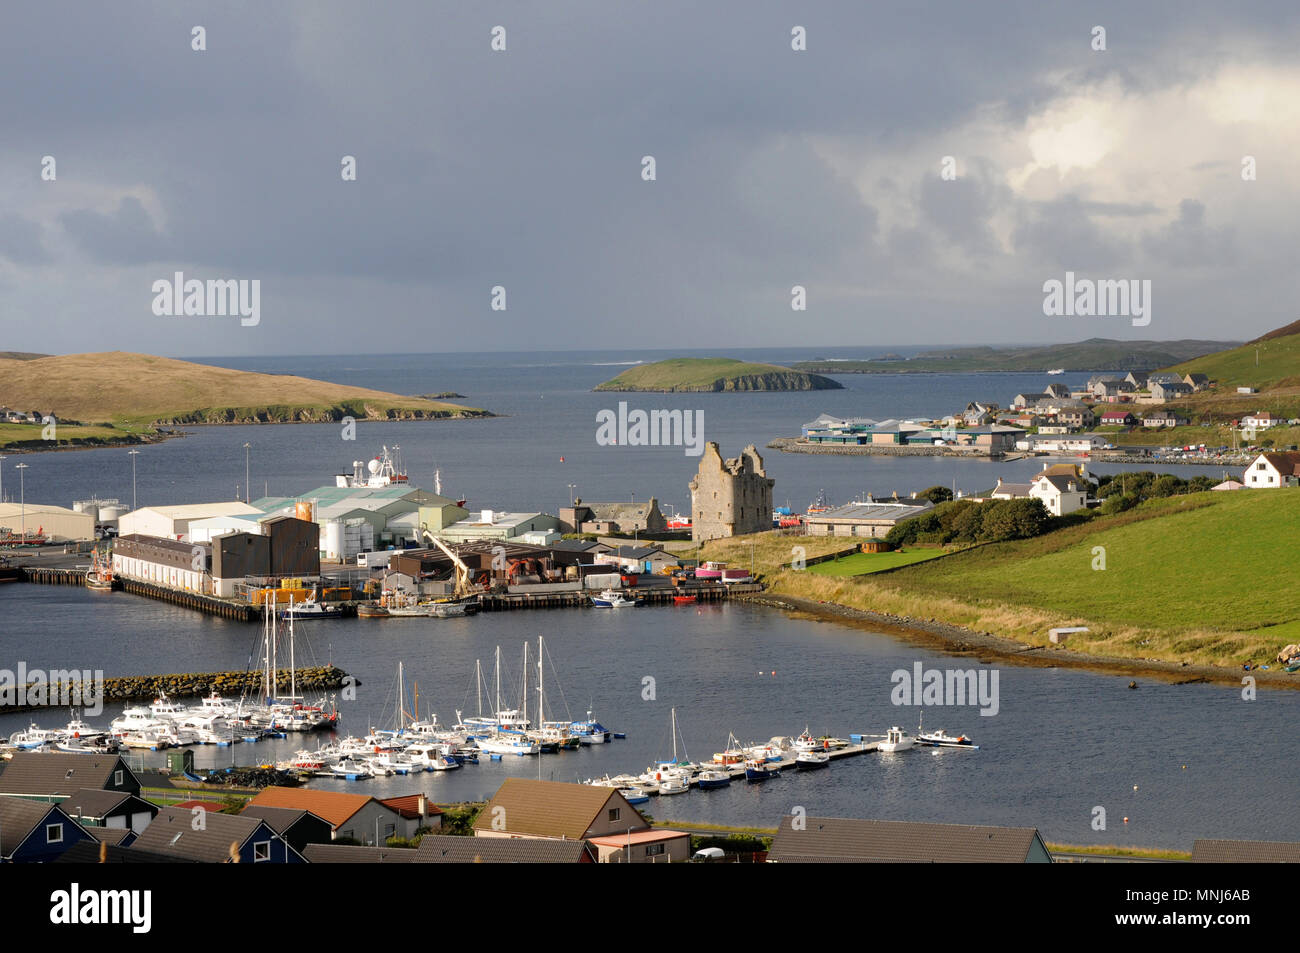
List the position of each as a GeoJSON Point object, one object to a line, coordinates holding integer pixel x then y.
{"type": "Point", "coordinates": [861, 564]}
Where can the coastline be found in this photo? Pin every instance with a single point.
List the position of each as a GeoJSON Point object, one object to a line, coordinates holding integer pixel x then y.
{"type": "Point", "coordinates": [959, 641]}
{"type": "Point", "coordinates": [797, 445]}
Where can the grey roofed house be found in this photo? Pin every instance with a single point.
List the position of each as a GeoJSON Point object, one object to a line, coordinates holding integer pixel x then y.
{"type": "Point", "coordinates": [95, 806]}
{"type": "Point", "coordinates": [1245, 852]}
{"type": "Point", "coordinates": [446, 849]}
{"type": "Point", "coordinates": [299, 826]}
{"type": "Point", "coordinates": [348, 854]}
{"type": "Point", "coordinates": [87, 852]}
{"type": "Point", "coordinates": [850, 840]}
{"type": "Point", "coordinates": [58, 773]}
{"type": "Point", "coordinates": [173, 832]}
{"type": "Point", "coordinates": [581, 546]}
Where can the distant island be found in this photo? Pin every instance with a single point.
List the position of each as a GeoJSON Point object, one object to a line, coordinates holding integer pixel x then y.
{"type": "Point", "coordinates": [119, 398]}
{"type": "Point", "coordinates": [1095, 354]}
{"type": "Point", "coordinates": [715, 375]}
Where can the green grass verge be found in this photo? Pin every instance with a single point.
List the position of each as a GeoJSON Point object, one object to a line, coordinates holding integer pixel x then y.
{"type": "Point", "coordinates": [861, 564]}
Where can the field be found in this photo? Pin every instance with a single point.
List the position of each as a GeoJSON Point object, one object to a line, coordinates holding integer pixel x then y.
{"type": "Point", "coordinates": [710, 374]}
{"type": "Point", "coordinates": [861, 564]}
{"type": "Point", "coordinates": [137, 392]}
{"type": "Point", "coordinates": [1191, 578]}
{"type": "Point", "coordinates": [29, 435]}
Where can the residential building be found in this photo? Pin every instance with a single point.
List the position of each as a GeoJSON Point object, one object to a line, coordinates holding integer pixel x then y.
{"type": "Point", "coordinates": [1138, 379]}
{"type": "Point", "coordinates": [869, 519]}
{"type": "Point", "coordinates": [116, 810]}
{"type": "Point", "coordinates": [355, 816]}
{"type": "Point", "coordinates": [417, 812]}
{"type": "Point", "coordinates": [624, 517]}
{"type": "Point", "coordinates": [297, 826]}
{"type": "Point", "coordinates": [34, 832]}
{"type": "Point", "coordinates": [1075, 443]}
{"type": "Point", "coordinates": [1077, 418]}
{"type": "Point", "coordinates": [1059, 493]}
{"type": "Point", "coordinates": [215, 838]}
{"type": "Point", "coordinates": [1197, 382]}
{"type": "Point", "coordinates": [58, 774]}
{"type": "Point", "coordinates": [730, 497]}
{"type": "Point", "coordinates": [1164, 419]}
{"type": "Point", "coordinates": [1262, 420]}
{"type": "Point", "coordinates": [1169, 390]}
{"type": "Point", "coordinates": [1121, 417]}
{"type": "Point", "coordinates": [1206, 851]}
{"type": "Point", "coordinates": [845, 840]}
{"type": "Point", "coordinates": [1266, 471]}
{"type": "Point", "coordinates": [556, 810]}
{"type": "Point", "coordinates": [442, 849]}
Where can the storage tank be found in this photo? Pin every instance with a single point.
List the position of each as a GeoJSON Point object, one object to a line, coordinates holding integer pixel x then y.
{"type": "Point", "coordinates": [84, 506]}
{"type": "Point", "coordinates": [303, 510]}
{"type": "Point", "coordinates": [111, 514]}
{"type": "Point", "coordinates": [333, 543]}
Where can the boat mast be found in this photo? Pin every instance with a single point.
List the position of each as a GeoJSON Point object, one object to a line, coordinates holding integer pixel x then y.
{"type": "Point", "coordinates": [541, 685]}
{"type": "Point", "coordinates": [478, 684]}
{"type": "Point", "coordinates": [523, 686]}
{"type": "Point", "coordinates": [401, 696]}
{"type": "Point", "coordinates": [293, 668]}
{"type": "Point", "coordinates": [674, 736]}
{"type": "Point", "coordinates": [497, 709]}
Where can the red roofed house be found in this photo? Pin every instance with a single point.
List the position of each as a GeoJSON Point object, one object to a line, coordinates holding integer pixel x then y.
{"type": "Point", "coordinates": [1121, 417]}
{"type": "Point", "coordinates": [355, 816]}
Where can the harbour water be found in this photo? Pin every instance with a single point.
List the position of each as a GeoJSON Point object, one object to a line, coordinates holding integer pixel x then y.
{"type": "Point", "coordinates": [1179, 762]}
{"type": "Point", "coordinates": [526, 459]}
{"type": "Point", "coordinates": [1205, 763]}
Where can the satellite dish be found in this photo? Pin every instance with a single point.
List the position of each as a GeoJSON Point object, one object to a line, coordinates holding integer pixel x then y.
{"type": "Point", "coordinates": [373, 465]}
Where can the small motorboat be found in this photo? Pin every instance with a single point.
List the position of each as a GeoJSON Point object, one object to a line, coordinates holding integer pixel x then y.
{"type": "Point", "coordinates": [674, 784]}
{"type": "Point", "coordinates": [634, 795]}
{"type": "Point", "coordinates": [685, 600]}
{"type": "Point", "coordinates": [711, 778]}
{"type": "Point", "coordinates": [614, 599]}
{"type": "Point", "coordinates": [811, 760]}
{"type": "Point", "coordinates": [896, 740]}
{"type": "Point", "coordinates": [941, 739]}
{"type": "Point", "coordinates": [368, 610]}
{"type": "Point", "coordinates": [759, 769]}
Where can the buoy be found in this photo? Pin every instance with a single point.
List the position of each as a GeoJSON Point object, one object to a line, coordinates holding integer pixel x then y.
{"type": "Point", "coordinates": [1132, 684]}
{"type": "Point", "coordinates": [1135, 787]}
{"type": "Point", "coordinates": [1126, 820]}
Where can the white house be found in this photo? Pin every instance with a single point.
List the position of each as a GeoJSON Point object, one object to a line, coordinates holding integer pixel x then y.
{"type": "Point", "coordinates": [1262, 420]}
{"type": "Point", "coordinates": [1272, 470]}
{"type": "Point", "coordinates": [1078, 443]}
{"type": "Point", "coordinates": [1059, 492]}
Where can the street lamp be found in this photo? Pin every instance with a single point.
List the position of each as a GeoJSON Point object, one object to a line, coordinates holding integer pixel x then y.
{"type": "Point", "coordinates": [572, 491]}
{"type": "Point", "coordinates": [246, 449]}
{"type": "Point", "coordinates": [134, 454]}
{"type": "Point", "coordinates": [22, 496]}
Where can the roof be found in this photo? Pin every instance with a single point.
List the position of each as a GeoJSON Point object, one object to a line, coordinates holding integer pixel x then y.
{"type": "Point", "coordinates": [1245, 852]}
{"type": "Point", "coordinates": [618, 511]}
{"type": "Point", "coordinates": [1061, 481]}
{"type": "Point", "coordinates": [87, 852]}
{"type": "Point", "coordinates": [18, 816]}
{"type": "Point", "coordinates": [843, 840]}
{"type": "Point", "coordinates": [578, 545]}
{"type": "Point", "coordinates": [14, 509]}
{"type": "Point", "coordinates": [58, 773]}
{"type": "Point", "coordinates": [408, 805]}
{"type": "Point", "coordinates": [873, 511]}
{"type": "Point", "coordinates": [446, 849]}
{"type": "Point", "coordinates": [652, 836]}
{"type": "Point", "coordinates": [334, 806]}
{"type": "Point", "coordinates": [279, 819]}
{"type": "Point", "coordinates": [172, 832]}
{"type": "Point", "coordinates": [345, 854]}
{"type": "Point", "coordinates": [1013, 489]}
{"type": "Point", "coordinates": [1286, 463]}
{"type": "Point", "coordinates": [198, 511]}
{"type": "Point", "coordinates": [112, 835]}
{"type": "Point", "coordinates": [550, 808]}
{"type": "Point", "coordinates": [91, 802]}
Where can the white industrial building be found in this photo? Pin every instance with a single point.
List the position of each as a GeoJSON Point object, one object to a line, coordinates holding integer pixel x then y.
{"type": "Point", "coordinates": [58, 523]}
{"type": "Point", "coordinates": [173, 522]}
{"type": "Point", "coordinates": [495, 524]}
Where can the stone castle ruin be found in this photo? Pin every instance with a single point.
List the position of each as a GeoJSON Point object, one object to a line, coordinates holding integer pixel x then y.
{"type": "Point", "coordinates": [731, 497]}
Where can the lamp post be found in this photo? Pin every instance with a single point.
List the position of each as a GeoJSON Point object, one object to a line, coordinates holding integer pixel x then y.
{"type": "Point", "coordinates": [247, 446]}
{"type": "Point", "coordinates": [573, 487]}
{"type": "Point", "coordinates": [2, 478]}
{"type": "Point", "coordinates": [22, 496]}
{"type": "Point", "coordinates": [134, 454]}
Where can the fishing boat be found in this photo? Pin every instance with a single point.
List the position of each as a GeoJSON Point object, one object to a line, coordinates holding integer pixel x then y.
{"type": "Point", "coordinates": [711, 778]}
{"type": "Point", "coordinates": [99, 577]}
{"type": "Point", "coordinates": [941, 739]}
{"type": "Point", "coordinates": [819, 505]}
{"type": "Point", "coordinates": [685, 600]}
{"type": "Point", "coordinates": [452, 610]}
{"type": "Point", "coordinates": [759, 769]}
{"type": "Point", "coordinates": [1056, 370]}
{"type": "Point", "coordinates": [614, 599]}
{"type": "Point", "coordinates": [674, 784]}
{"type": "Point", "coordinates": [370, 610]}
{"type": "Point", "coordinates": [311, 608]}
{"type": "Point", "coordinates": [634, 795]}
{"type": "Point", "coordinates": [806, 742]}
{"type": "Point", "coordinates": [896, 740]}
{"type": "Point", "coordinates": [732, 754]}
{"type": "Point", "coordinates": [811, 760]}
{"type": "Point", "coordinates": [33, 737]}
{"type": "Point", "coordinates": [590, 732]}
{"type": "Point", "coordinates": [508, 743]}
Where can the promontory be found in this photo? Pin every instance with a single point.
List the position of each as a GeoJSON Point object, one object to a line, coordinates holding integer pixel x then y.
{"type": "Point", "coordinates": [714, 374]}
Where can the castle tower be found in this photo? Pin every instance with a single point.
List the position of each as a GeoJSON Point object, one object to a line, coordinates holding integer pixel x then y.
{"type": "Point", "coordinates": [730, 497]}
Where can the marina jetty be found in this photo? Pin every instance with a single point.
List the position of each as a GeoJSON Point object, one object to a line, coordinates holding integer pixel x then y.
{"type": "Point", "coordinates": [144, 687]}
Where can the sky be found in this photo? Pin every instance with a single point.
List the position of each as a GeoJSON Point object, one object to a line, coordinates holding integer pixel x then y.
{"type": "Point", "coordinates": [1169, 156]}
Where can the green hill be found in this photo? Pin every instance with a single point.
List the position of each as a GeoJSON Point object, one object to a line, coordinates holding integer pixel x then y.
{"type": "Point", "coordinates": [1269, 362]}
{"type": "Point", "coordinates": [1095, 354]}
{"type": "Point", "coordinates": [713, 374]}
{"type": "Point", "coordinates": [131, 395]}
{"type": "Point", "coordinates": [1187, 578]}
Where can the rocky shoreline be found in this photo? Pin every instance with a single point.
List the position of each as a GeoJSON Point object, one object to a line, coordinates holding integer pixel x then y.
{"type": "Point", "coordinates": [985, 646]}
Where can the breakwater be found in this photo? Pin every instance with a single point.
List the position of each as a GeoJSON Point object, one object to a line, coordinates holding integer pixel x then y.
{"type": "Point", "coordinates": [147, 687]}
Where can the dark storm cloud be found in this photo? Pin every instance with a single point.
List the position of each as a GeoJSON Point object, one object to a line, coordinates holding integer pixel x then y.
{"type": "Point", "coordinates": [523, 168]}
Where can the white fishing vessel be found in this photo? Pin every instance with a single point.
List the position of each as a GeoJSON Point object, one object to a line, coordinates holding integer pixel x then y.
{"type": "Point", "coordinates": [32, 737]}
{"type": "Point", "coordinates": [674, 784]}
{"type": "Point", "coordinates": [614, 599]}
{"type": "Point", "coordinates": [811, 760]}
{"type": "Point", "coordinates": [941, 739]}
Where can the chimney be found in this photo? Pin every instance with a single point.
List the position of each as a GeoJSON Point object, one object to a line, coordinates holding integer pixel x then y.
{"type": "Point", "coordinates": [422, 806]}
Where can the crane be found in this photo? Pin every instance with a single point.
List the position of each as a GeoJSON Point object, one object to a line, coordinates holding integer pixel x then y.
{"type": "Point", "coordinates": [462, 587]}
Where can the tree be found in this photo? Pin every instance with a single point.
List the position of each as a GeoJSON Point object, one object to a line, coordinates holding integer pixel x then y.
{"type": "Point", "coordinates": [936, 494]}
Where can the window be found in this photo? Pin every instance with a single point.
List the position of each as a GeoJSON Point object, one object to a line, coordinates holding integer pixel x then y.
{"type": "Point", "coordinates": [261, 851]}
{"type": "Point", "coordinates": [654, 850]}
{"type": "Point", "coordinates": [614, 813]}
{"type": "Point", "coordinates": [54, 833]}
{"type": "Point", "coordinates": [117, 778]}
{"type": "Point", "coordinates": [1260, 466]}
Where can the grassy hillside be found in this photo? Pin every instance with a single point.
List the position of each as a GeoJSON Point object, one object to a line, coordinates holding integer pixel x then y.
{"type": "Point", "coordinates": [705, 374]}
{"type": "Point", "coordinates": [1190, 578]}
{"type": "Point", "coordinates": [139, 391]}
{"type": "Point", "coordinates": [1095, 354]}
{"type": "Point", "coordinates": [1270, 364]}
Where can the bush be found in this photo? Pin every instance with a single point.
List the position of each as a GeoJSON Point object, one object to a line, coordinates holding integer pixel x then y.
{"type": "Point", "coordinates": [965, 521]}
{"type": "Point", "coordinates": [936, 495]}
